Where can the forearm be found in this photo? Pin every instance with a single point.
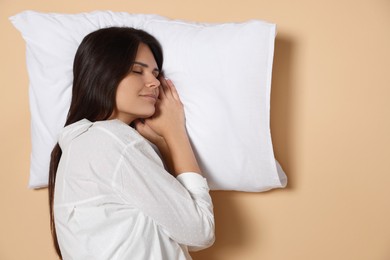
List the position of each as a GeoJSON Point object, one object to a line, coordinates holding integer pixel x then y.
{"type": "Point", "coordinates": [166, 154]}
{"type": "Point", "coordinates": [181, 155]}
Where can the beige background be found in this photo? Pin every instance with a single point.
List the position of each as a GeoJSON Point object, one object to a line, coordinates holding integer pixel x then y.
{"type": "Point", "coordinates": [330, 126]}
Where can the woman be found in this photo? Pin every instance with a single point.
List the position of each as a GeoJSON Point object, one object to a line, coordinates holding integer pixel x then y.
{"type": "Point", "coordinates": [110, 196]}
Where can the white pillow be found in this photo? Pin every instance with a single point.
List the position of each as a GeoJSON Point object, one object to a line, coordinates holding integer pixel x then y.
{"type": "Point", "coordinates": [222, 73]}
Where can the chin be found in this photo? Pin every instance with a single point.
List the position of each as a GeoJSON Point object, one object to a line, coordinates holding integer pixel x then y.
{"type": "Point", "coordinates": [147, 115]}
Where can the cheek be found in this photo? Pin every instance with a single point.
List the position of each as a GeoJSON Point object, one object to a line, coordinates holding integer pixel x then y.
{"type": "Point", "coordinates": [123, 97]}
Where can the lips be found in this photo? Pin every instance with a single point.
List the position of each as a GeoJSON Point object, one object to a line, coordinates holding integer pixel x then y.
{"type": "Point", "coordinates": [150, 96]}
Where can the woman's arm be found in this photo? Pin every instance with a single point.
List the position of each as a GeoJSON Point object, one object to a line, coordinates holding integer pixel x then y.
{"type": "Point", "coordinates": [181, 154]}
{"type": "Point", "coordinates": [181, 206]}
{"type": "Point", "coordinates": [166, 129]}
{"type": "Point", "coordinates": [184, 210]}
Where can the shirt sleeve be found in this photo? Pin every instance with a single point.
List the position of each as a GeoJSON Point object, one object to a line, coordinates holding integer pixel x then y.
{"type": "Point", "coordinates": [181, 206]}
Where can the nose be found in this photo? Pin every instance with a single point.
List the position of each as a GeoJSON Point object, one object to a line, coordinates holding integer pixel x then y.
{"type": "Point", "coordinates": [153, 82]}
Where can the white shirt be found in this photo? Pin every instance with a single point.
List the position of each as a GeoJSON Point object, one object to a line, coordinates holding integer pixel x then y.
{"type": "Point", "coordinates": [114, 200]}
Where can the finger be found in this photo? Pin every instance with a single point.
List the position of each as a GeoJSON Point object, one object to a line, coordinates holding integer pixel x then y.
{"type": "Point", "coordinates": [138, 124]}
{"type": "Point", "coordinates": [161, 94]}
{"type": "Point", "coordinates": [143, 128]}
{"type": "Point", "coordinates": [163, 86]}
{"type": "Point", "coordinates": [167, 90]}
{"type": "Point", "coordinates": [157, 109]}
{"type": "Point", "coordinates": [173, 89]}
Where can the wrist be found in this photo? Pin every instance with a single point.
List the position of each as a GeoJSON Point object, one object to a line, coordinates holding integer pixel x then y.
{"type": "Point", "coordinates": [165, 153]}
{"type": "Point", "coordinates": [179, 135]}
{"type": "Point", "coordinates": [160, 142]}
{"type": "Point", "coordinates": [183, 158]}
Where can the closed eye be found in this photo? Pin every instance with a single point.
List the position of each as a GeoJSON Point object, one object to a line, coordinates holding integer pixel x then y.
{"type": "Point", "coordinates": [155, 73]}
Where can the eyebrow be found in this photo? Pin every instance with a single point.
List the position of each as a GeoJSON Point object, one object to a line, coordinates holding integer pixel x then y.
{"type": "Point", "coordinates": [146, 65]}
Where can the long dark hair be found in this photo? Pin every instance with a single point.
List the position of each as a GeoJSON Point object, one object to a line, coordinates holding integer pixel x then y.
{"type": "Point", "coordinates": [102, 60]}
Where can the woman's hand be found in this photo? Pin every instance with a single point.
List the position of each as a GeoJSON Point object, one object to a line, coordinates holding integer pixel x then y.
{"type": "Point", "coordinates": [169, 117]}
{"type": "Point", "coordinates": [167, 122]}
{"type": "Point", "coordinates": [147, 132]}
{"type": "Point", "coordinates": [166, 129]}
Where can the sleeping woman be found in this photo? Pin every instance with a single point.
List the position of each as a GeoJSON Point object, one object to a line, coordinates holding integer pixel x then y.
{"type": "Point", "coordinates": [110, 195]}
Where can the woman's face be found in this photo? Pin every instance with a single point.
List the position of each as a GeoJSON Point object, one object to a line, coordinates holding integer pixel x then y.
{"type": "Point", "coordinates": [137, 93]}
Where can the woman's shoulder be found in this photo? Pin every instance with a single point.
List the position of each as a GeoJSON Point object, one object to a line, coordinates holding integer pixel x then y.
{"type": "Point", "coordinates": [110, 135]}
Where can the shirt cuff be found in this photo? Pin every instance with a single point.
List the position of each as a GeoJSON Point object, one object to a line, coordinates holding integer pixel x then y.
{"type": "Point", "coordinates": [192, 180]}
